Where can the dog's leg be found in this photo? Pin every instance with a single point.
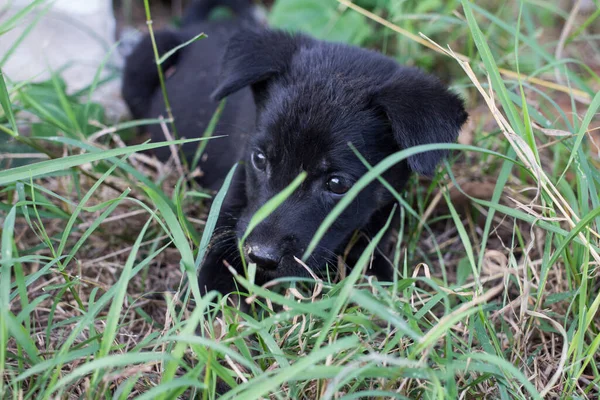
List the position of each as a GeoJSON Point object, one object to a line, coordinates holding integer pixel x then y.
{"type": "Point", "coordinates": [140, 78]}
{"type": "Point", "coordinates": [381, 265]}
{"type": "Point", "coordinates": [214, 274]}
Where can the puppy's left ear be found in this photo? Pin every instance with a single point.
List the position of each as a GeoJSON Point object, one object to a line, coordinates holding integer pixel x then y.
{"type": "Point", "coordinates": [421, 110]}
{"type": "Point", "coordinates": [254, 57]}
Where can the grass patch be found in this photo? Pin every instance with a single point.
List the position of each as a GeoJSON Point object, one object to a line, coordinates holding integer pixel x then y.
{"type": "Point", "coordinates": [496, 294]}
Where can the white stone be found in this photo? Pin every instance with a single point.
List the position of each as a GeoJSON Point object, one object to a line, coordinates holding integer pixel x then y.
{"type": "Point", "coordinates": [76, 34]}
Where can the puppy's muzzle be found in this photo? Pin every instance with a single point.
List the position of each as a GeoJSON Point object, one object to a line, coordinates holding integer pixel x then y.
{"type": "Point", "coordinates": [264, 256]}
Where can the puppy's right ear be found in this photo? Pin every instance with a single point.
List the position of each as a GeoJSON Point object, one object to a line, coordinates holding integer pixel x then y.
{"type": "Point", "coordinates": [253, 57]}
{"type": "Point", "coordinates": [421, 110]}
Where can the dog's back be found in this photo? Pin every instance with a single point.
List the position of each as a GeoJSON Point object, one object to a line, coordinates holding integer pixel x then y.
{"type": "Point", "coordinates": [191, 75]}
{"type": "Point", "coordinates": [200, 10]}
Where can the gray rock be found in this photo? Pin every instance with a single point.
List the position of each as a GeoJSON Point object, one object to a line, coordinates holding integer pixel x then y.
{"type": "Point", "coordinates": [76, 35]}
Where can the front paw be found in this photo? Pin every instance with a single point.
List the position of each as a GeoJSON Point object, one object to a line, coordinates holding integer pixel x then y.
{"type": "Point", "coordinates": [215, 275]}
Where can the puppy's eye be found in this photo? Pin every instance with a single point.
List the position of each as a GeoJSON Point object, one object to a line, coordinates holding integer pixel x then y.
{"type": "Point", "coordinates": [338, 185]}
{"type": "Point", "coordinates": [259, 160]}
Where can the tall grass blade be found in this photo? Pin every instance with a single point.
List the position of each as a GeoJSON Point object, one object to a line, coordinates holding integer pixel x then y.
{"type": "Point", "coordinates": [46, 167]}
{"type": "Point", "coordinates": [6, 106]}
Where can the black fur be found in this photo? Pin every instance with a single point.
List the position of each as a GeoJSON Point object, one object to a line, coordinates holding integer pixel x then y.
{"type": "Point", "coordinates": [193, 73]}
{"type": "Point", "coordinates": [312, 98]}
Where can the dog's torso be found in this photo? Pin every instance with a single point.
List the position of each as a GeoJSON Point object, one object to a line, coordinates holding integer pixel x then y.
{"type": "Point", "coordinates": [195, 75]}
{"type": "Point", "coordinates": [190, 75]}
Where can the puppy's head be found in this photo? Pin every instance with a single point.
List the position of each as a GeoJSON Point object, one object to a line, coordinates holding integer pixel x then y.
{"type": "Point", "coordinates": [313, 99]}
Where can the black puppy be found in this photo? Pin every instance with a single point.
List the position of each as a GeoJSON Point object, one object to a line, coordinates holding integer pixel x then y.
{"type": "Point", "coordinates": [312, 98]}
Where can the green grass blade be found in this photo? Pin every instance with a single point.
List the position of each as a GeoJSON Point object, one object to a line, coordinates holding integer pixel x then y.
{"type": "Point", "coordinates": [507, 366]}
{"type": "Point", "coordinates": [114, 314]}
{"type": "Point", "coordinates": [22, 338]}
{"type": "Point", "coordinates": [266, 383]}
{"type": "Point", "coordinates": [7, 251]}
{"type": "Point", "coordinates": [66, 106]}
{"type": "Point", "coordinates": [175, 229]}
{"type": "Point", "coordinates": [465, 240]}
{"type": "Point", "coordinates": [492, 68]}
{"type": "Point", "coordinates": [79, 208]}
{"type": "Point", "coordinates": [94, 85]}
{"type": "Point", "coordinates": [6, 106]}
{"type": "Point", "coordinates": [109, 362]}
{"type": "Point", "coordinates": [175, 49]}
{"type": "Point", "coordinates": [348, 284]}
{"type": "Point", "coordinates": [45, 167]}
{"type": "Point", "coordinates": [589, 115]}
{"type": "Point", "coordinates": [181, 345]}
{"type": "Point", "coordinates": [271, 205]}
{"type": "Point", "coordinates": [375, 173]}
{"type": "Point", "coordinates": [12, 21]}
{"type": "Point", "coordinates": [208, 132]}
{"type": "Point", "coordinates": [21, 37]}
{"type": "Point", "coordinates": [165, 388]}
{"type": "Point", "coordinates": [374, 306]}
{"type": "Point", "coordinates": [213, 216]}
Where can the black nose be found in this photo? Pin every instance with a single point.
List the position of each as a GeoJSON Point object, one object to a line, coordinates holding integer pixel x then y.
{"type": "Point", "coordinates": [264, 256]}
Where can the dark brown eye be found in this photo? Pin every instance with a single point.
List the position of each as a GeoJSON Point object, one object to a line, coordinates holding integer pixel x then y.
{"type": "Point", "coordinates": [338, 185]}
{"type": "Point", "coordinates": [259, 160]}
